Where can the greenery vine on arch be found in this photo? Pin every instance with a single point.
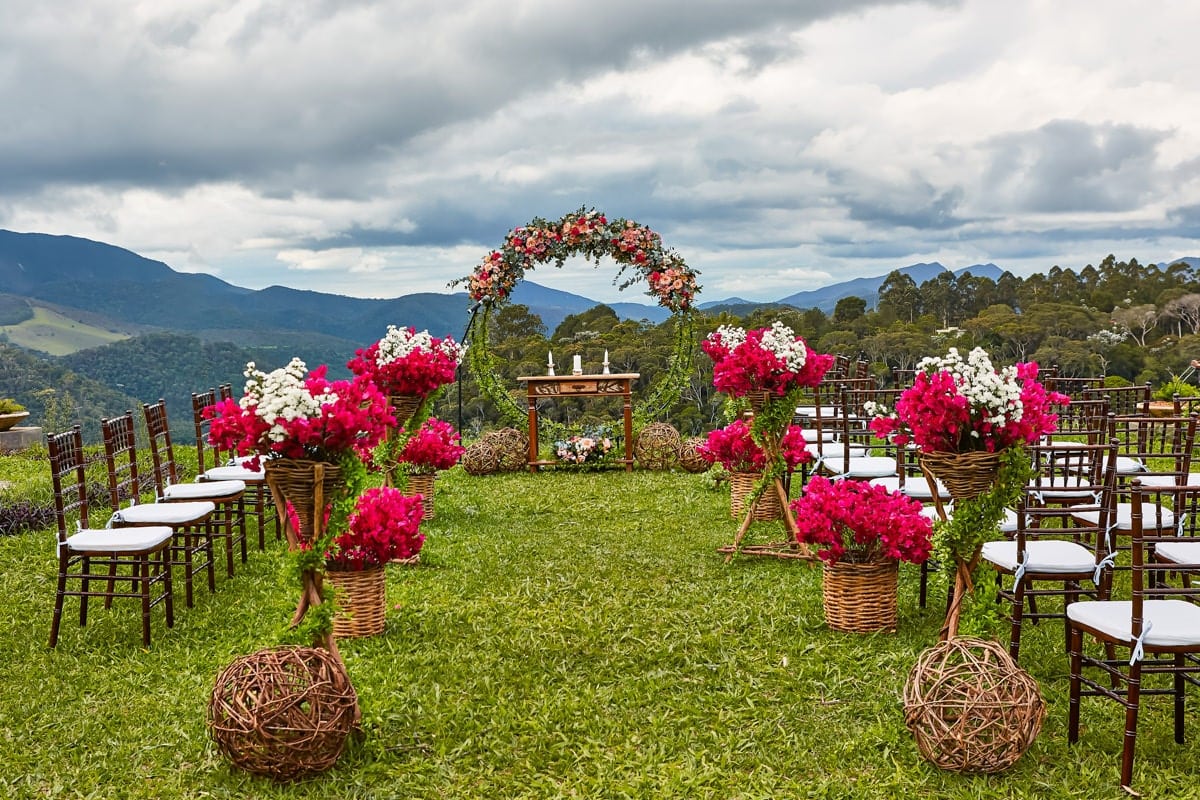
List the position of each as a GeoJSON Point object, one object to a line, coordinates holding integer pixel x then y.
{"type": "Point", "coordinates": [588, 233]}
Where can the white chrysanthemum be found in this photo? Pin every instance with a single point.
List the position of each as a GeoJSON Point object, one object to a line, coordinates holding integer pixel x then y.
{"type": "Point", "coordinates": [781, 341]}
{"type": "Point", "coordinates": [994, 394]}
{"type": "Point", "coordinates": [731, 336]}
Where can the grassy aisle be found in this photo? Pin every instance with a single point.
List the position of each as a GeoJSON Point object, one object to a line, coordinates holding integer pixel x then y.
{"type": "Point", "coordinates": [565, 635]}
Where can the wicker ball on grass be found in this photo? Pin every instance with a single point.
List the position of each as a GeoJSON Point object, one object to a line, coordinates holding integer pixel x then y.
{"type": "Point", "coordinates": [689, 455]}
{"type": "Point", "coordinates": [657, 446]}
{"type": "Point", "coordinates": [970, 707]}
{"type": "Point", "coordinates": [480, 459]}
{"type": "Point", "coordinates": [512, 448]}
{"type": "Point", "coordinates": [283, 712]}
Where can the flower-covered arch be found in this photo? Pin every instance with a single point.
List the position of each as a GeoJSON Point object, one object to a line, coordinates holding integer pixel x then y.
{"type": "Point", "coordinates": [589, 233]}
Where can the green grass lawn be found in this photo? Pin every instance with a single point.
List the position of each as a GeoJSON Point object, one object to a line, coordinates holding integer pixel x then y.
{"type": "Point", "coordinates": [565, 635]}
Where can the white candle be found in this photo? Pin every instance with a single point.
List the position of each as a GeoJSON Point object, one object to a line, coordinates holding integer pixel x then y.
{"type": "Point", "coordinates": [550, 358]}
{"type": "Point", "coordinates": [577, 367]}
{"type": "Point", "coordinates": [605, 362]}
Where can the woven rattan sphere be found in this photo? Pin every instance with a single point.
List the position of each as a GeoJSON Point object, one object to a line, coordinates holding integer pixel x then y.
{"type": "Point", "coordinates": [512, 448]}
{"type": "Point", "coordinates": [283, 712]}
{"type": "Point", "coordinates": [689, 455]}
{"type": "Point", "coordinates": [480, 459]}
{"type": "Point", "coordinates": [970, 707]}
{"type": "Point", "coordinates": [657, 446]}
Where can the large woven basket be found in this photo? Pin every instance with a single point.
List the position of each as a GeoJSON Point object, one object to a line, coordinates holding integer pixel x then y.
{"type": "Point", "coordinates": [422, 483]}
{"type": "Point", "coordinates": [965, 475]}
{"type": "Point", "coordinates": [860, 598]}
{"type": "Point", "coordinates": [361, 601]}
{"type": "Point", "coordinates": [295, 481]}
{"type": "Point", "coordinates": [404, 406]}
{"type": "Point", "coordinates": [741, 485]}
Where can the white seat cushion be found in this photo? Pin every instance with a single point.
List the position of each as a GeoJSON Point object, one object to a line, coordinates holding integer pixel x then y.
{"type": "Point", "coordinates": [163, 513]}
{"type": "Point", "coordinates": [1052, 556]}
{"type": "Point", "coordinates": [1173, 622]}
{"type": "Point", "coordinates": [1009, 523]}
{"type": "Point", "coordinates": [1124, 516]}
{"type": "Point", "coordinates": [864, 467]}
{"type": "Point", "coordinates": [119, 540]}
{"type": "Point", "coordinates": [1061, 489]}
{"type": "Point", "coordinates": [916, 488]}
{"type": "Point", "coordinates": [1129, 466]}
{"type": "Point", "coordinates": [825, 434]}
{"type": "Point", "coordinates": [1155, 481]}
{"type": "Point", "coordinates": [206, 490]}
{"type": "Point", "coordinates": [1185, 550]}
{"type": "Point", "coordinates": [234, 473]}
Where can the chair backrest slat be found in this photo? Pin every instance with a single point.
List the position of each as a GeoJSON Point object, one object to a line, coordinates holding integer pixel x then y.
{"type": "Point", "coordinates": [162, 453]}
{"type": "Point", "coordinates": [120, 458]}
{"type": "Point", "coordinates": [68, 475]}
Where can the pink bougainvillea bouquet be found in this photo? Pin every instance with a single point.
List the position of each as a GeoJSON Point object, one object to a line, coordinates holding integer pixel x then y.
{"type": "Point", "coordinates": [406, 361]}
{"type": "Point", "coordinates": [857, 522]}
{"type": "Point", "coordinates": [734, 448]}
{"type": "Point", "coordinates": [384, 525]}
{"type": "Point", "coordinates": [433, 446]}
{"type": "Point", "coordinates": [958, 405]}
{"type": "Point", "coordinates": [294, 413]}
{"type": "Point", "coordinates": [772, 360]}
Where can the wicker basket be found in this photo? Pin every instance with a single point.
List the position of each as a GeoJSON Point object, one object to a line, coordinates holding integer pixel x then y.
{"type": "Point", "coordinates": [860, 598]}
{"type": "Point", "coordinates": [965, 475]}
{"type": "Point", "coordinates": [422, 483]}
{"type": "Point", "coordinates": [361, 601]}
{"type": "Point", "coordinates": [741, 485]}
{"type": "Point", "coordinates": [404, 406]}
{"type": "Point", "coordinates": [294, 480]}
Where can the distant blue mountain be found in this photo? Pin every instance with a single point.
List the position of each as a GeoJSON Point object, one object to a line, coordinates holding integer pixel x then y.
{"type": "Point", "coordinates": [826, 298]}
{"type": "Point", "coordinates": [988, 270]}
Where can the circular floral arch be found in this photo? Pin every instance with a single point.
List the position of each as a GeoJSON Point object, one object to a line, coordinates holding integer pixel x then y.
{"type": "Point", "coordinates": [588, 233]}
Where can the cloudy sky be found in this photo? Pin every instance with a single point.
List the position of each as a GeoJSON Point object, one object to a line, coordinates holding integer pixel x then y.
{"type": "Point", "coordinates": [378, 148]}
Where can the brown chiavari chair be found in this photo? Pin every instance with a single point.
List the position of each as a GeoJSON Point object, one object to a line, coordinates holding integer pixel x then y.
{"type": "Point", "coordinates": [215, 464]}
{"type": "Point", "coordinates": [190, 522]}
{"type": "Point", "coordinates": [1124, 401]}
{"type": "Point", "coordinates": [97, 557]}
{"type": "Point", "coordinates": [1051, 554]}
{"type": "Point", "coordinates": [1158, 626]}
{"type": "Point", "coordinates": [230, 515]}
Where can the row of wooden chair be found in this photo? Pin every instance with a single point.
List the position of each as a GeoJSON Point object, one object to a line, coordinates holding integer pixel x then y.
{"type": "Point", "coordinates": [156, 523]}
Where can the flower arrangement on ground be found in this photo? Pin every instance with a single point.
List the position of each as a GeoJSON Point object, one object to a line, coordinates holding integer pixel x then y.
{"type": "Point", "coordinates": [409, 362]}
{"type": "Point", "coordinates": [384, 525]}
{"type": "Point", "coordinates": [433, 446]}
{"type": "Point", "coordinates": [583, 449]}
{"type": "Point", "coordinates": [772, 360]}
{"type": "Point", "coordinates": [860, 523]}
{"type": "Point", "coordinates": [958, 405]}
{"type": "Point", "coordinates": [291, 412]}
{"type": "Point", "coordinates": [734, 448]}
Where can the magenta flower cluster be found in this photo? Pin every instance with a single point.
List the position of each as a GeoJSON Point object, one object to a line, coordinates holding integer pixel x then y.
{"type": "Point", "coordinates": [957, 406]}
{"type": "Point", "coordinates": [407, 362]}
{"type": "Point", "coordinates": [434, 446]}
{"type": "Point", "coordinates": [735, 449]}
{"type": "Point", "coordinates": [858, 522]}
{"type": "Point", "coordinates": [384, 525]}
{"type": "Point", "coordinates": [763, 360]}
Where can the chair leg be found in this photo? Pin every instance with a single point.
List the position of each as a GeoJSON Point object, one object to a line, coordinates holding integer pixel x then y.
{"type": "Point", "coordinates": [59, 594]}
{"type": "Point", "coordinates": [1179, 687]}
{"type": "Point", "coordinates": [141, 567]}
{"type": "Point", "coordinates": [924, 587]}
{"type": "Point", "coordinates": [85, 564]}
{"type": "Point", "coordinates": [1075, 637]}
{"type": "Point", "coordinates": [226, 512]}
{"type": "Point", "coordinates": [210, 552]}
{"type": "Point", "coordinates": [1131, 719]}
{"type": "Point", "coordinates": [168, 585]}
{"type": "Point", "coordinates": [112, 584]}
{"type": "Point", "coordinates": [1018, 610]}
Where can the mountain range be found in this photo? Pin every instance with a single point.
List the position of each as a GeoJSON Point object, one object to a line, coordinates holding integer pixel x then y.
{"type": "Point", "coordinates": [114, 283]}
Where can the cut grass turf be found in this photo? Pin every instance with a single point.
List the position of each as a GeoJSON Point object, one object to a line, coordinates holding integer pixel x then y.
{"type": "Point", "coordinates": [565, 635]}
